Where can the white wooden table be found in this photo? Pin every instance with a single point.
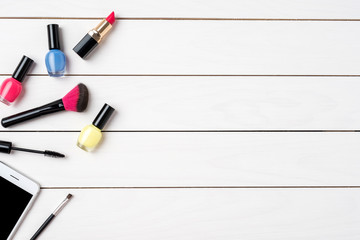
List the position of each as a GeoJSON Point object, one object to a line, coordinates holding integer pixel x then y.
{"type": "Point", "coordinates": [236, 119]}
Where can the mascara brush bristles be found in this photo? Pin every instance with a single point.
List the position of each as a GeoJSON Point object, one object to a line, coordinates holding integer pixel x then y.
{"type": "Point", "coordinates": [53, 154]}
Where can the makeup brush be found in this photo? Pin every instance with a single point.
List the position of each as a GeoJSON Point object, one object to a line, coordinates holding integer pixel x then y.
{"type": "Point", "coordinates": [52, 216]}
{"type": "Point", "coordinates": [7, 147]}
{"type": "Point", "coordinates": [76, 100]}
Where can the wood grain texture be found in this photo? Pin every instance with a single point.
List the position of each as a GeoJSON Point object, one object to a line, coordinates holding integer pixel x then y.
{"type": "Point", "coordinates": [192, 159]}
{"type": "Point", "coordinates": [313, 9]}
{"type": "Point", "coordinates": [194, 47]}
{"type": "Point", "coordinates": [199, 103]}
{"type": "Point", "coordinates": [249, 214]}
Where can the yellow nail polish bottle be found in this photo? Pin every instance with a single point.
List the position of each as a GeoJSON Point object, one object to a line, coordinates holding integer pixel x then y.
{"type": "Point", "coordinates": [91, 135]}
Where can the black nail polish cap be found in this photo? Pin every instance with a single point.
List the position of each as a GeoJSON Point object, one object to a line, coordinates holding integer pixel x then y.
{"type": "Point", "coordinates": [23, 68]}
{"type": "Point", "coordinates": [103, 116]}
{"type": "Point", "coordinates": [53, 36]}
{"type": "Point", "coordinates": [5, 147]}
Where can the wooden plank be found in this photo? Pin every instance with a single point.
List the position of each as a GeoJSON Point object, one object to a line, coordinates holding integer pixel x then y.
{"type": "Point", "coordinates": [199, 103]}
{"type": "Point", "coordinates": [334, 9]}
{"type": "Point", "coordinates": [199, 214]}
{"type": "Point", "coordinates": [192, 159]}
{"type": "Point", "coordinates": [194, 47]}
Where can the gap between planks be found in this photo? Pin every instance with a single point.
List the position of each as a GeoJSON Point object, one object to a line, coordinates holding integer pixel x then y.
{"type": "Point", "coordinates": [187, 131]}
{"type": "Point", "coordinates": [187, 75]}
{"type": "Point", "coordinates": [206, 187]}
{"type": "Point", "coordinates": [196, 19]}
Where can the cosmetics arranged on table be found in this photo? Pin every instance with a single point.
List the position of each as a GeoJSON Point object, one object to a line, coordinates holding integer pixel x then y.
{"type": "Point", "coordinates": [55, 59]}
{"type": "Point", "coordinates": [7, 147]}
{"type": "Point", "coordinates": [52, 216]}
{"type": "Point", "coordinates": [91, 135]}
{"type": "Point", "coordinates": [11, 87]}
{"type": "Point", "coordinates": [76, 100]}
{"type": "Point", "coordinates": [94, 36]}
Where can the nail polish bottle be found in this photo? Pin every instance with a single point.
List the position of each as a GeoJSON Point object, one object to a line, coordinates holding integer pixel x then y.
{"type": "Point", "coordinates": [55, 59]}
{"type": "Point", "coordinates": [11, 87]}
{"type": "Point", "coordinates": [91, 135]}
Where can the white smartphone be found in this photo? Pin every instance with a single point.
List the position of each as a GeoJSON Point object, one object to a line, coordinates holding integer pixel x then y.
{"type": "Point", "coordinates": [18, 193]}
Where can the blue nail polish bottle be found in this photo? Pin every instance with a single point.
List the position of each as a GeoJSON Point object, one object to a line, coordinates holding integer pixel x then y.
{"type": "Point", "coordinates": [55, 59]}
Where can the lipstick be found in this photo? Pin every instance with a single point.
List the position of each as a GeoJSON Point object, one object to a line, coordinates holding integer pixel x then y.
{"type": "Point", "coordinates": [94, 36]}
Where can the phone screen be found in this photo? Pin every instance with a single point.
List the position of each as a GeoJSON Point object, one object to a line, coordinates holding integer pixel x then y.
{"type": "Point", "coordinates": [13, 202]}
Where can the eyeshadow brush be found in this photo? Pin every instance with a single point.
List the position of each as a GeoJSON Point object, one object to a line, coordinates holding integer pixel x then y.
{"type": "Point", "coordinates": [52, 216]}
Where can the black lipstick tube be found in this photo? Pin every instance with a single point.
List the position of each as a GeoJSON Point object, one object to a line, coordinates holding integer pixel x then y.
{"type": "Point", "coordinates": [90, 41]}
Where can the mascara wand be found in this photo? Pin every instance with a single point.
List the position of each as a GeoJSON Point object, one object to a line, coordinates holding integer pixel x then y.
{"type": "Point", "coordinates": [6, 147]}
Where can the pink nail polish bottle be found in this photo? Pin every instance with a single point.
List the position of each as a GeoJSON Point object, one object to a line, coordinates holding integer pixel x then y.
{"type": "Point", "coordinates": [11, 87]}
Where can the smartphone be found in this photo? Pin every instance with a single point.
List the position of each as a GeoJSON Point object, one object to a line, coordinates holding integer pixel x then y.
{"type": "Point", "coordinates": [18, 193]}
